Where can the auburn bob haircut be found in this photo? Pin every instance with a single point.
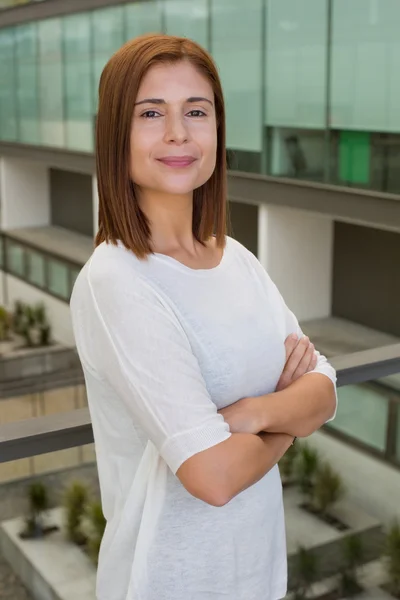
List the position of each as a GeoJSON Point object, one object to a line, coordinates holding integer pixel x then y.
{"type": "Point", "coordinates": [120, 217]}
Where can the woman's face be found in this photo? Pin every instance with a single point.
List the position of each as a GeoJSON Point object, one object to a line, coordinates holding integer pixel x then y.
{"type": "Point", "coordinates": [174, 131]}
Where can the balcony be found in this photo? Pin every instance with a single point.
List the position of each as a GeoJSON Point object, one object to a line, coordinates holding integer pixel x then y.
{"type": "Point", "coordinates": [368, 444]}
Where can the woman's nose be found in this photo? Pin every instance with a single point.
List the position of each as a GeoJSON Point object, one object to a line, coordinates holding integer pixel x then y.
{"type": "Point", "coordinates": [176, 130]}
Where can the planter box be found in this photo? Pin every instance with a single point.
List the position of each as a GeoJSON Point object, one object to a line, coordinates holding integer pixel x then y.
{"type": "Point", "coordinates": [51, 568]}
{"type": "Point", "coordinates": [325, 541]}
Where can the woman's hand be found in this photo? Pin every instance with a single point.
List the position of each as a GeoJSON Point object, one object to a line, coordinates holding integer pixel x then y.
{"type": "Point", "coordinates": [300, 359]}
{"type": "Point", "coordinates": [248, 415]}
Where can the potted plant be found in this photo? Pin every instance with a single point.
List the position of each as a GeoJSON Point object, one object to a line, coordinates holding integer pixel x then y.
{"type": "Point", "coordinates": [38, 499]}
{"type": "Point", "coordinates": [305, 572]}
{"type": "Point", "coordinates": [353, 556]}
{"type": "Point", "coordinates": [327, 488]}
{"type": "Point", "coordinates": [75, 502]}
{"type": "Point", "coordinates": [392, 552]}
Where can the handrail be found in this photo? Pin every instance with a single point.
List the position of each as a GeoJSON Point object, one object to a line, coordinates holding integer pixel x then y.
{"type": "Point", "coordinates": [40, 435]}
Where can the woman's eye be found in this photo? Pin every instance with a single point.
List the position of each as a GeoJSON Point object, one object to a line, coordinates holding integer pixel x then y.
{"type": "Point", "coordinates": [150, 114]}
{"type": "Point", "coordinates": [197, 113]}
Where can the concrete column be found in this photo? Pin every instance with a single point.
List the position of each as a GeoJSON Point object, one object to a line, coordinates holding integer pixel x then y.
{"type": "Point", "coordinates": [296, 248]}
{"type": "Point", "coordinates": [95, 205]}
{"type": "Point", "coordinates": [24, 194]}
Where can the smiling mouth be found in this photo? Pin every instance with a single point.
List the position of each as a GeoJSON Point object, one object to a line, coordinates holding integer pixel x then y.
{"type": "Point", "coordinates": [177, 161]}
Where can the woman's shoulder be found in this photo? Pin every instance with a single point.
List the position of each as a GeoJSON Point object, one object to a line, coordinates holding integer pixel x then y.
{"type": "Point", "coordinates": [113, 270]}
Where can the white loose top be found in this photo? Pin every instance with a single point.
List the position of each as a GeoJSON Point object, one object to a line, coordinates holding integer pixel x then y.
{"type": "Point", "coordinates": [163, 347]}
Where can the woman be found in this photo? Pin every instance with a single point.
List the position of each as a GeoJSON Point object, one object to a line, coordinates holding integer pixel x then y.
{"type": "Point", "coordinates": [194, 395]}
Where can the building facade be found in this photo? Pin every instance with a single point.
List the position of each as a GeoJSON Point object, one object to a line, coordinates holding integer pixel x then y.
{"type": "Point", "coordinates": [312, 90]}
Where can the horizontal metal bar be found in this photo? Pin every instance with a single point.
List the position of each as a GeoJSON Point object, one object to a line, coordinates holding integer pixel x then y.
{"type": "Point", "coordinates": [67, 430]}
{"type": "Point", "coordinates": [367, 365]}
{"type": "Point", "coordinates": [40, 435]}
{"type": "Point", "coordinates": [36, 11]}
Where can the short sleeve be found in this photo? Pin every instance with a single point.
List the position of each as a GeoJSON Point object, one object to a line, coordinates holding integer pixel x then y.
{"type": "Point", "coordinates": [291, 325]}
{"type": "Point", "coordinates": [144, 354]}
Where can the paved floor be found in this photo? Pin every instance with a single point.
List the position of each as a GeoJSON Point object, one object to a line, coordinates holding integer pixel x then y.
{"type": "Point", "coordinates": [10, 586]}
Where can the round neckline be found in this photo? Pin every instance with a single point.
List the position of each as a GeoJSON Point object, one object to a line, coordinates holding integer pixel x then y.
{"type": "Point", "coordinates": [182, 267]}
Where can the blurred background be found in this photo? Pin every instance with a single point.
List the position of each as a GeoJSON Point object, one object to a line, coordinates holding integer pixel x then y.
{"type": "Point", "coordinates": [312, 90]}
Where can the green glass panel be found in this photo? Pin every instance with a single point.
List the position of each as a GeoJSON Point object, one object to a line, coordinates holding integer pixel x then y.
{"type": "Point", "coordinates": [35, 268]}
{"type": "Point", "coordinates": [78, 83]}
{"type": "Point", "coordinates": [108, 35]}
{"type": "Point", "coordinates": [58, 278]}
{"type": "Point", "coordinates": [236, 43]}
{"type": "Point", "coordinates": [365, 65]}
{"type": "Point", "coordinates": [187, 23]}
{"type": "Point", "coordinates": [142, 17]}
{"type": "Point", "coordinates": [8, 105]}
{"type": "Point", "coordinates": [295, 63]}
{"type": "Point", "coordinates": [15, 259]}
{"type": "Point", "coordinates": [27, 83]}
{"type": "Point", "coordinates": [354, 156]}
{"type": "Point", "coordinates": [51, 83]}
{"type": "Point", "coordinates": [362, 414]}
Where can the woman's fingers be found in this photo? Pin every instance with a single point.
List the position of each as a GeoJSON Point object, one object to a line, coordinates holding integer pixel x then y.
{"type": "Point", "coordinates": [290, 344]}
{"type": "Point", "coordinates": [297, 355]}
{"type": "Point", "coordinates": [304, 364]}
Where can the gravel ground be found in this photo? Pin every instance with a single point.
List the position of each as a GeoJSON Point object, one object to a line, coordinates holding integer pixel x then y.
{"type": "Point", "coordinates": [10, 586]}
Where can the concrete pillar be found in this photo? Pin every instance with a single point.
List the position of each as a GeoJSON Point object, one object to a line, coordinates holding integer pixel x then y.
{"type": "Point", "coordinates": [24, 194]}
{"type": "Point", "coordinates": [296, 248]}
{"type": "Point", "coordinates": [95, 204]}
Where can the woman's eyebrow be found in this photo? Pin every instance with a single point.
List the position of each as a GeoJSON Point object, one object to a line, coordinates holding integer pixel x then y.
{"type": "Point", "coordinates": [162, 101]}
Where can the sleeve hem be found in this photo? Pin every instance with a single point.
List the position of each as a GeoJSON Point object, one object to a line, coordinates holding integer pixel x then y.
{"type": "Point", "coordinates": [178, 449]}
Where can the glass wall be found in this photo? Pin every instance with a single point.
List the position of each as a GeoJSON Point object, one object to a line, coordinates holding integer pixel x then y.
{"type": "Point", "coordinates": [312, 87]}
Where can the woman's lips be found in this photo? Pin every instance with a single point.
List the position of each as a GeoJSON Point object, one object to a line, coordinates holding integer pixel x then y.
{"type": "Point", "coordinates": [177, 161]}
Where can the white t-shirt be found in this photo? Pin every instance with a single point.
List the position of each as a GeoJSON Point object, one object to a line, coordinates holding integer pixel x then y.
{"type": "Point", "coordinates": [163, 347]}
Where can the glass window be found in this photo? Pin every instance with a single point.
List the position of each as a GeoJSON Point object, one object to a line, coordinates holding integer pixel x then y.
{"type": "Point", "coordinates": [108, 35]}
{"type": "Point", "coordinates": [15, 258]}
{"type": "Point", "coordinates": [50, 82]}
{"type": "Point", "coordinates": [296, 153]}
{"type": "Point", "coordinates": [27, 88]}
{"type": "Point", "coordinates": [78, 82]}
{"type": "Point", "coordinates": [142, 17]}
{"type": "Point", "coordinates": [191, 23]}
{"type": "Point", "coordinates": [365, 84]}
{"type": "Point", "coordinates": [236, 44]}
{"type": "Point", "coordinates": [58, 278]}
{"type": "Point", "coordinates": [362, 414]}
{"type": "Point", "coordinates": [8, 105]}
{"type": "Point", "coordinates": [295, 63]}
{"type": "Point", "coordinates": [35, 268]}
{"type": "Point", "coordinates": [74, 275]}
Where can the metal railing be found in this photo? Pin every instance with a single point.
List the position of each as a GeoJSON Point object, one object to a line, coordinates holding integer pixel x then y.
{"type": "Point", "coordinates": [67, 430]}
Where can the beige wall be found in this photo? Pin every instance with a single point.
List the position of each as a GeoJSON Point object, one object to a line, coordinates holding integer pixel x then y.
{"type": "Point", "coordinates": [37, 405]}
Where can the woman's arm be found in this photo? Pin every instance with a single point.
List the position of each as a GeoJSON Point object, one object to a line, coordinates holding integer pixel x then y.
{"type": "Point", "coordinates": [300, 409]}
{"type": "Point", "coordinates": [220, 473]}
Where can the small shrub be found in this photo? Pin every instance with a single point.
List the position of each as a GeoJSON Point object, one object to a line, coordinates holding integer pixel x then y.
{"type": "Point", "coordinates": [30, 321]}
{"type": "Point", "coordinates": [392, 551]}
{"type": "Point", "coordinates": [307, 467]}
{"type": "Point", "coordinates": [5, 323]}
{"type": "Point", "coordinates": [327, 489]}
{"type": "Point", "coordinates": [38, 504]}
{"type": "Point", "coordinates": [353, 555]}
{"type": "Point", "coordinates": [288, 461]}
{"type": "Point", "coordinates": [95, 529]}
{"type": "Point", "coordinates": [75, 502]}
{"type": "Point", "coordinates": [305, 572]}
